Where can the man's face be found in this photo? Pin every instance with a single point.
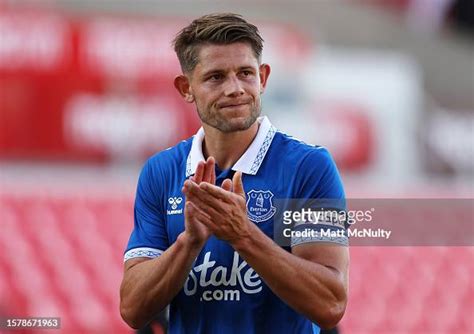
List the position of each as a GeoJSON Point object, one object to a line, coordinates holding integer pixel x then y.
{"type": "Point", "coordinates": [226, 85]}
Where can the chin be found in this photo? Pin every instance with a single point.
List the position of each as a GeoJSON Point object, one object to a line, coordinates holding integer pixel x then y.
{"type": "Point", "coordinates": [236, 124]}
{"type": "Point", "coordinates": [228, 121]}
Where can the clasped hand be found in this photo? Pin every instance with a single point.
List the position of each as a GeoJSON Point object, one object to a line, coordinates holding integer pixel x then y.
{"type": "Point", "coordinates": [210, 209]}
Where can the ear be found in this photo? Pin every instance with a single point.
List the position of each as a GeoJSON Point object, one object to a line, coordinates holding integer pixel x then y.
{"type": "Point", "coordinates": [264, 71]}
{"type": "Point", "coordinates": [181, 83]}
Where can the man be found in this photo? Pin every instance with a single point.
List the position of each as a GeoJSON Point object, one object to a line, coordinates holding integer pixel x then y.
{"type": "Point", "coordinates": [202, 239]}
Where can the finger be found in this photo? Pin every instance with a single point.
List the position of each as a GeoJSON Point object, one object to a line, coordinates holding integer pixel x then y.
{"type": "Point", "coordinates": [209, 170]}
{"type": "Point", "coordinates": [238, 184]}
{"type": "Point", "coordinates": [198, 175]}
{"type": "Point", "coordinates": [187, 185]}
{"type": "Point", "coordinates": [192, 191]}
{"type": "Point", "coordinates": [215, 191]}
{"type": "Point", "coordinates": [194, 215]}
{"type": "Point", "coordinates": [206, 202]}
{"type": "Point", "coordinates": [192, 211]}
{"type": "Point", "coordinates": [213, 171]}
{"type": "Point", "coordinates": [209, 213]}
{"type": "Point", "coordinates": [227, 185]}
{"type": "Point", "coordinates": [188, 210]}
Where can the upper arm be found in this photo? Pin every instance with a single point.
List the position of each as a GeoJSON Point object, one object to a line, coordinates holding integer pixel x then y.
{"type": "Point", "coordinates": [149, 237]}
{"type": "Point", "coordinates": [321, 183]}
{"type": "Point", "coordinates": [332, 256]}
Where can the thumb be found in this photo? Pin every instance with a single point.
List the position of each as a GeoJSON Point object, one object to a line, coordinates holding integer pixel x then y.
{"type": "Point", "coordinates": [227, 185]}
{"type": "Point", "coordinates": [238, 184]}
{"type": "Point", "coordinates": [188, 210]}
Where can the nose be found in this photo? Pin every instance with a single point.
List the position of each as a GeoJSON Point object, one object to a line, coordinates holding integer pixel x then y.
{"type": "Point", "coordinates": [233, 87]}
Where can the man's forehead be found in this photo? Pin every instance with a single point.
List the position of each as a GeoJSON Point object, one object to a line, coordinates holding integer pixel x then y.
{"type": "Point", "coordinates": [236, 54]}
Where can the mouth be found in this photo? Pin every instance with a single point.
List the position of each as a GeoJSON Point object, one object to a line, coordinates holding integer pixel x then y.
{"type": "Point", "coordinates": [232, 105]}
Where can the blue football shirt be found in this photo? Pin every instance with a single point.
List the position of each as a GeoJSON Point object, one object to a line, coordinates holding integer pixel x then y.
{"type": "Point", "coordinates": [223, 294]}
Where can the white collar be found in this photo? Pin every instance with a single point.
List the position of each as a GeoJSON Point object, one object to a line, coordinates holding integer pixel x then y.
{"type": "Point", "coordinates": [249, 162]}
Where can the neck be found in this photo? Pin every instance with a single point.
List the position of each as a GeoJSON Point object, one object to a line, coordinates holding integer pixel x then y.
{"type": "Point", "coordinates": [227, 148]}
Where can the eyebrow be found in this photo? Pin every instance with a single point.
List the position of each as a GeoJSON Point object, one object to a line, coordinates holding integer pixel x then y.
{"type": "Point", "coordinates": [220, 71]}
{"type": "Point", "coordinates": [211, 72]}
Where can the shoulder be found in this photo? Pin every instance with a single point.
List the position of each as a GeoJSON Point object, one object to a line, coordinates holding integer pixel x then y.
{"type": "Point", "coordinates": [314, 171]}
{"type": "Point", "coordinates": [168, 164]}
{"type": "Point", "coordinates": [170, 158]}
{"type": "Point", "coordinates": [301, 153]}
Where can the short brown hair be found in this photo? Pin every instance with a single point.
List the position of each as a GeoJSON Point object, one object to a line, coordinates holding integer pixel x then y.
{"type": "Point", "coordinates": [219, 28]}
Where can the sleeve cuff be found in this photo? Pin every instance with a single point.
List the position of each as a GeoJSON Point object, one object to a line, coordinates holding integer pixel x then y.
{"type": "Point", "coordinates": [142, 252]}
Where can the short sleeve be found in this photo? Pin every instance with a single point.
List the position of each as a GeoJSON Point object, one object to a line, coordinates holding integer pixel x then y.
{"type": "Point", "coordinates": [321, 190]}
{"type": "Point", "coordinates": [149, 237]}
{"type": "Point", "coordinates": [319, 176]}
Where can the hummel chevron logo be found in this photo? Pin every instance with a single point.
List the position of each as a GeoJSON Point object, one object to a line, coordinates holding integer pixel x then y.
{"type": "Point", "coordinates": [175, 202]}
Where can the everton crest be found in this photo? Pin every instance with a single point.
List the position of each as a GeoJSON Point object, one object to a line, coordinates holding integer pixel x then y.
{"type": "Point", "coordinates": [259, 205]}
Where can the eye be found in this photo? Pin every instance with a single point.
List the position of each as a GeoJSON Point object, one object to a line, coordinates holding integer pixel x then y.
{"type": "Point", "coordinates": [246, 73]}
{"type": "Point", "coordinates": [215, 77]}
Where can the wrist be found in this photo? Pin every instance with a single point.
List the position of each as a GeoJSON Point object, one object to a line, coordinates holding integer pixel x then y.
{"type": "Point", "coordinates": [188, 241]}
{"type": "Point", "coordinates": [240, 244]}
{"type": "Point", "coordinates": [246, 241]}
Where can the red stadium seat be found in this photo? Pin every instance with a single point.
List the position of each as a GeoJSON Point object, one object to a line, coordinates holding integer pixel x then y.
{"type": "Point", "coordinates": [410, 290]}
{"type": "Point", "coordinates": [62, 256]}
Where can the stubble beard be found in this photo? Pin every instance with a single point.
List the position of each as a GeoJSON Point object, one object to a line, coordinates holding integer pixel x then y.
{"type": "Point", "coordinates": [222, 124]}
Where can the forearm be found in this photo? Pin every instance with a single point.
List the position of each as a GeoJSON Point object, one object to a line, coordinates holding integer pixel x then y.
{"type": "Point", "coordinates": [312, 289]}
{"type": "Point", "coordinates": [149, 286]}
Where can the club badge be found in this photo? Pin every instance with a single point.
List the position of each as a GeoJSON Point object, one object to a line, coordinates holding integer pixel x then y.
{"type": "Point", "coordinates": [259, 205]}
